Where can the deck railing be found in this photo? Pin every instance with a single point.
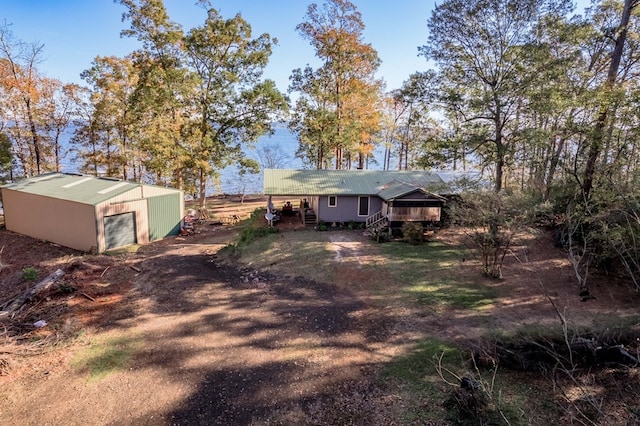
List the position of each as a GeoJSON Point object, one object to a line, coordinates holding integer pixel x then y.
{"type": "Point", "coordinates": [374, 219]}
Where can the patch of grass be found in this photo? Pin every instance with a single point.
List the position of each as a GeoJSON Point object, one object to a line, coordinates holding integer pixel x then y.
{"type": "Point", "coordinates": [254, 228]}
{"type": "Point", "coordinates": [303, 253]}
{"type": "Point", "coordinates": [106, 355]}
{"type": "Point", "coordinates": [29, 274]}
{"type": "Point", "coordinates": [452, 295]}
{"type": "Point", "coordinates": [415, 374]}
{"type": "Point", "coordinates": [420, 363]}
{"type": "Point", "coordinates": [429, 378]}
{"type": "Point", "coordinates": [430, 274]}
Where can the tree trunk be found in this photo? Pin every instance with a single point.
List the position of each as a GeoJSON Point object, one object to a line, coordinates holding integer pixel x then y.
{"type": "Point", "coordinates": [553, 165]}
{"type": "Point", "coordinates": [499, 160]}
{"type": "Point", "coordinates": [203, 189]}
{"type": "Point", "coordinates": [597, 139]}
{"type": "Point", "coordinates": [34, 135]}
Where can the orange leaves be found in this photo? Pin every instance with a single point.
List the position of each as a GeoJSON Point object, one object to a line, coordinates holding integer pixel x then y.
{"type": "Point", "coordinates": [344, 89]}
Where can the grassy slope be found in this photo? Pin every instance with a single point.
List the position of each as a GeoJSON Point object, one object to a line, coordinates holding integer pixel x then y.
{"type": "Point", "coordinates": [430, 278]}
{"type": "Point", "coordinates": [430, 281]}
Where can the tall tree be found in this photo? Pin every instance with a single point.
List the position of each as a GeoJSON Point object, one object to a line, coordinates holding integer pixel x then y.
{"type": "Point", "coordinates": [20, 85]}
{"type": "Point", "coordinates": [113, 81]}
{"type": "Point", "coordinates": [339, 106]}
{"type": "Point", "coordinates": [313, 119]}
{"type": "Point", "coordinates": [163, 88]}
{"type": "Point", "coordinates": [598, 135]}
{"type": "Point", "coordinates": [231, 104]}
{"type": "Point", "coordinates": [58, 113]}
{"type": "Point", "coordinates": [554, 108]}
{"type": "Point", "coordinates": [416, 126]}
{"type": "Point", "coordinates": [272, 156]}
{"type": "Point", "coordinates": [480, 47]}
{"type": "Point", "coordinates": [6, 158]}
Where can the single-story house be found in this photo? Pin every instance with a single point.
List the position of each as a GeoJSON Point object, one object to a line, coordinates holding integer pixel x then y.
{"type": "Point", "coordinates": [368, 196]}
{"type": "Point", "coordinates": [89, 213]}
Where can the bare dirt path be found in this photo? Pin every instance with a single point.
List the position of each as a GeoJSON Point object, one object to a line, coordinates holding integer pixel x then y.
{"type": "Point", "coordinates": [216, 345]}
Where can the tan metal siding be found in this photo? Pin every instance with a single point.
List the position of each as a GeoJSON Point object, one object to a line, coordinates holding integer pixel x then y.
{"type": "Point", "coordinates": [70, 209]}
{"type": "Point", "coordinates": [131, 195]}
{"type": "Point", "coordinates": [154, 191]}
{"type": "Point", "coordinates": [63, 222]}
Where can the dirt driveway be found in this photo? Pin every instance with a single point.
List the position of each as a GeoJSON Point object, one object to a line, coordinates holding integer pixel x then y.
{"type": "Point", "coordinates": [212, 344]}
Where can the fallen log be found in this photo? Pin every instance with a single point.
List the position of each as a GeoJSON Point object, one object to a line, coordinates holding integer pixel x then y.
{"type": "Point", "coordinates": [17, 303]}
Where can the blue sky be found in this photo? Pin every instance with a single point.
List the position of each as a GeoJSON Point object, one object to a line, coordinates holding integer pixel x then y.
{"type": "Point", "coordinates": [74, 32]}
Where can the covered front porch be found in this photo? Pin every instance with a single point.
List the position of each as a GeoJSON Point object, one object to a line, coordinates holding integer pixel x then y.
{"type": "Point", "coordinates": [406, 203]}
{"type": "Point", "coordinates": [292, 208]}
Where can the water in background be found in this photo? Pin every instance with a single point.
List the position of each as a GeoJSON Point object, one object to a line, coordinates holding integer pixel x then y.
{"type": "Point", "coordinates": [282, 141]}
{"type": "Point", "coordinates": [231, 182]}
{"type": "Point", "coordinates": [285, 145]}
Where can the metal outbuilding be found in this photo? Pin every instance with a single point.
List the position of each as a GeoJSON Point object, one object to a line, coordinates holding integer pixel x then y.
{"type": "Point", "coordinates": [89, 213]}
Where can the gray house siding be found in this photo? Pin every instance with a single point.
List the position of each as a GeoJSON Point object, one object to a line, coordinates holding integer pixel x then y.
{"type": "Point", "coordinates": [346, 209]}
{"type": "Point", "coordinates": [375, 205]}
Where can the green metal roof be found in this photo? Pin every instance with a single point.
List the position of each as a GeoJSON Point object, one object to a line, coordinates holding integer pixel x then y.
{"type": "Point", "coordinates": [345, 182]}
{"type": "Point", "coordinates": [77, 188]}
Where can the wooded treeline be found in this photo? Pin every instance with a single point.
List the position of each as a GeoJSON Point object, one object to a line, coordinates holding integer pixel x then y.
{"type": "Point", "coordinates": [174, 112]}
{"type": "Point", "coordinates": [526, 91]}
{"type": "Point", "coordinates": [542, 100]}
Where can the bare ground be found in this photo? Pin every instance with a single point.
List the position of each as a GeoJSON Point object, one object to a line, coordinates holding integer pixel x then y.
{"type": "Point", "coordinates": [215, 343]}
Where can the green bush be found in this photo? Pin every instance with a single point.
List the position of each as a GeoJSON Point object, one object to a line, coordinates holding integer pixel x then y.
{"type": "Point", "coordinates": [29, 274]}
{"type": "Point", "coordinates": [412, 232]}
{"type": "Point", "coordinates": [255, 228]}
{"type": "Point", "coordinates": [380, 235]}
{"type": "Point", "coordinates": [323, 226]}
{"type": "Point", "coordinates": [66, 288]}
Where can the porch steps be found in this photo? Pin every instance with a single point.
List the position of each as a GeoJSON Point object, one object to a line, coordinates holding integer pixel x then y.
{"type": "Point", "coordinates": [375, 220]}
{"type": "Point", "coordinates": [376, 224]}
{"type": "Point", "coordinates": [309, 217]}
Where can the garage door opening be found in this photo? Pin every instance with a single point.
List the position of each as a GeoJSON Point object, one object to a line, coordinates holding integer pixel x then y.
{"type": "Point", "coordinates": [120, 230]}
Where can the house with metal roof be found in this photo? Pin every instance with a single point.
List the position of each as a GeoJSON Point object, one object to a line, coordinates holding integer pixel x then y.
{"type": "Point", "coordinates": [89, 213]}
{"type": "Point", "coordinates": [368, 196]}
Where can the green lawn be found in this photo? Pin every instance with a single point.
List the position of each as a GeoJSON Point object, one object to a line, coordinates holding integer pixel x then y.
{"type": "Point", "coordinates": [431, 274]}
{"type": "Point", "coordinates": [435, 277]}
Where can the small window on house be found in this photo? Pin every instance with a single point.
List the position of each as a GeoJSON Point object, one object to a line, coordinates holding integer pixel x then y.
{"type": "Point", "coordinates": [363, 206]}
{"type": "Point", "coordinates": [333, 201]}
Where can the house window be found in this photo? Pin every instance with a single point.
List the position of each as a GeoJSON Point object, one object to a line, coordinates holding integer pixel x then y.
{"type": "Point", "coordinates": [333, 201]}
{"type": "Point", "coordinates": [363, 206]}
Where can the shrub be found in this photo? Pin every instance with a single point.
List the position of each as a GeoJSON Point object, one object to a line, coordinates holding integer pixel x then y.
{"type": "Point", "coordinates": [355, 225]}
{"type": "Point", "coordinates": [380, 235]}
{"type": "Point", "coordinates": [412, 232]}
{"type": "Point", "coordinates": [66, 287]}
{"type": "Point", "coordinates": [323, 226]}
{"type": "Point", "coordinates": [29, 274]}
{"type": "Point", "coordinates": [255, 228]}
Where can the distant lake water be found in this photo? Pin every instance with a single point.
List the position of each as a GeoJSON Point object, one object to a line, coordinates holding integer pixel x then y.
{"type": "Point", "coordinates": [230, 182]}
{"type": "Point", "coordinates": [285, 144]}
